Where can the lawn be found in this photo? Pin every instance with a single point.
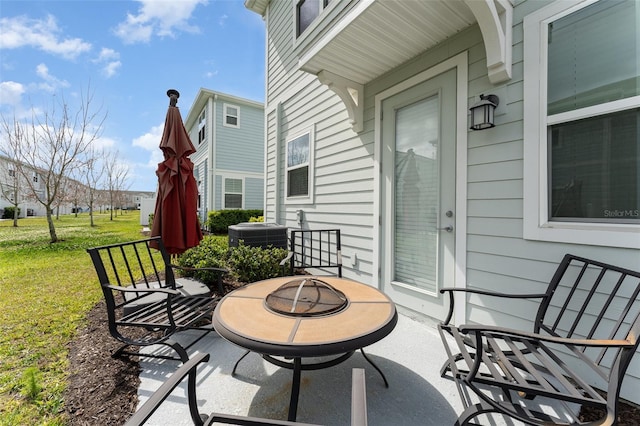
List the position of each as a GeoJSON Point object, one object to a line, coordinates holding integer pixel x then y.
{"type": "Point", "coordinates": [45, 291]}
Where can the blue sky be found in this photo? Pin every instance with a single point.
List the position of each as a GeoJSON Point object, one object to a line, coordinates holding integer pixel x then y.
{"type": "Point", "coordinates": [129, 53]}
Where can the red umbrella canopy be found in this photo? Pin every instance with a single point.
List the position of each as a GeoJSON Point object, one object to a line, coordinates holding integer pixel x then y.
{"type": "Point", "coordinates": [175, 218]}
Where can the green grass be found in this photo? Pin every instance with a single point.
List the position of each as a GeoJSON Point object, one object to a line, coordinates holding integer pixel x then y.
{"type": "Point", "coordinates": [45, 292]}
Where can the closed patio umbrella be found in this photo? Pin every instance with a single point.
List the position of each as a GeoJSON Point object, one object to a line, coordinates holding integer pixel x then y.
{"type": "Point", "coordinates": [175, 216]}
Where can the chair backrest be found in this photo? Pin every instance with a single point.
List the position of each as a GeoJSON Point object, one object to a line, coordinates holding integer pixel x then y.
{"type": "Point", "coordinates": [134, 264]}
{"type": "Point", "coordinates": [317, 248]}
{"type": "Point", "coordinates": [594, 300]}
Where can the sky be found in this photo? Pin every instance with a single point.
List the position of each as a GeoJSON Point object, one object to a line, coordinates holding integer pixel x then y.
{"type": "Point", "coordinates": [127, 54]}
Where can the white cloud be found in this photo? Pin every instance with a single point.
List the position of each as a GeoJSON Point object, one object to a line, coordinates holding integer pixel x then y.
{"type": "Point", "coordinates": [158, 17]}
{"type": "Point", "coordinates": [150, 140]}
{"type": "Point", "coordinates": [42, 34]}
{"type": "Point", "coordinates": [51, 83]}
{"type": "Point", "coordinates": [223, 20]}
{"type": "Point", "coordinates": [110, 59]}
{"type": "Point", "coordinates": [11, 93]}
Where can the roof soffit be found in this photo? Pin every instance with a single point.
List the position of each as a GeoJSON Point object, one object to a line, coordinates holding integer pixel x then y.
{"type": "Point", "coordinates": [356, 41]}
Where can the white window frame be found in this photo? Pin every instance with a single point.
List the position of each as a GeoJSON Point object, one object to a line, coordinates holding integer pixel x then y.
{"type": "Point", "coordinates": [226, 114]}
{"type": "Point", "coordinates": [322, 8]}
{"type": "Point", "coordinates": [202, 124]}
{"type": "Point", "coordinates": [301, 199]}
{"type": "Point", "coordinates": [536, 222]}
{"type": "Point", "coordinates": [224, 192]}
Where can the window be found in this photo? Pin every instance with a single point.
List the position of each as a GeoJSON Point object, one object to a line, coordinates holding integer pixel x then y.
{"type": "Point", "coordinates": [306, 12]}
{"type": "Point", "coordinates": [582, 122]}
{"type": "Point", "coordinates": [12, 172]}
{"type": "Point", "coordinates": [231, 116]}
{"type": "Point", "coordinates": [202, 121]}
{"type": "Point", "coordinates": [299, 174]}
{"type": "Point", "coordinates": [232, 193]}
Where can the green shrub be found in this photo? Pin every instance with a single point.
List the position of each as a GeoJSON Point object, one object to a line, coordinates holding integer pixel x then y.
{"type": "Point", "coordinates": [256, 219]}
{"type": "Point", "coordinates": [212, 252]}
{"type": "Point", "coordinates": [8, 212]}
{"type": "Point", "coordinates": [245, 264]}
{"type": "Point", "coordinates": [249, 264]}
{"type": "Point", "coordinates": [220, 220]}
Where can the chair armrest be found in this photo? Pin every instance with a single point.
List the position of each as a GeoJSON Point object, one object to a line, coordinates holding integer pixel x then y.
{"type": "Point", "coordinates": [358, 398]}
{"type": "Point", "coordinates": [206, 268]}
{"type": "Point", "coordinates": [535, 337]}
{"type": "Point", "coordinates": [452, 290]}
{"type": "Point", "coordinates": [158, 397]}
{"type": "Point", "coordinates": [166, 290]}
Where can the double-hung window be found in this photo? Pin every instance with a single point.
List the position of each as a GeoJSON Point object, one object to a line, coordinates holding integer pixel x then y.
{"type": "Point", "coordinates": [299, 185]}
{"type": "Point", "coordinates": [202, 128]}
{"type": "Point", "coordinates": [306, 12]}
{"type": "Point", "coordinates": [232, 193]}
{"type": "Point", "coordinates": [231, 116]}
{"type": "Point", "coordinates": [582, 123]}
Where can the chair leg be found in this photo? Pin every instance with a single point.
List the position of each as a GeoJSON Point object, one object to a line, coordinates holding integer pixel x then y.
{"type": "Point", "coordinates": [473, 411]}
{"type": "Point", "coordinates": [233, 372]}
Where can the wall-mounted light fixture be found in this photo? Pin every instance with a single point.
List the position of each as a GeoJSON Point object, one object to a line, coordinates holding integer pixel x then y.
{"type": "Point", "coordinates": [482, 112]}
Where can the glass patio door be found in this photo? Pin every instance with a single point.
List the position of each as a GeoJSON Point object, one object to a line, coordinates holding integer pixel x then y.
{"type": "Point", "coordinates": [419, 161]}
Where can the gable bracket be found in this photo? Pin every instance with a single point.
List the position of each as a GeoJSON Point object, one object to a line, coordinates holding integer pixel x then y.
{"type": "Point", "coordinates": [351, 94]}
{"type": "Point", "coordinates": [495, 18]}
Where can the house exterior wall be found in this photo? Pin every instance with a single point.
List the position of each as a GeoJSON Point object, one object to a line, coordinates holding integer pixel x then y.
{"type": "Point", "coordinates": [226, 151]}
{"type": "Point", "coordinates": [345, 193]}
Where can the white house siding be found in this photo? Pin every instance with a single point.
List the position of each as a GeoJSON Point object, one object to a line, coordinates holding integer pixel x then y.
{"type": "Point", "coordinates": [498, 257]}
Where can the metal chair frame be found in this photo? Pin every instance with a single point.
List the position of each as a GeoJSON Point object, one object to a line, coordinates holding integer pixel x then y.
{"type": "Point", "coordinates": [314, 249]}
{"type": "Point", "coordinates": [588, 320]}
{"type": "Point", "coordinates": [142, 293]}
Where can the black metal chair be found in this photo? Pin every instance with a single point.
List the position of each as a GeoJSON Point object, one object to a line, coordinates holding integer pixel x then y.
{"type": "Point", "coordinates": [146, 303]}
{"type": "Point", "coordinates": [358, 400]}
{"type": "Point", "coordinates": [584, 336]}
{"type": "Point", "coordinates": [314, 249]}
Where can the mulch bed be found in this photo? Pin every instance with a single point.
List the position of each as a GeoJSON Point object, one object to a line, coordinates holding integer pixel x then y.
{"type": "Point", "coordinates": [104, 391]}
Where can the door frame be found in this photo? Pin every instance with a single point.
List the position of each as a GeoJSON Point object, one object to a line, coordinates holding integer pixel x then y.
{"type": "Point", "coordinates": [460, 63]}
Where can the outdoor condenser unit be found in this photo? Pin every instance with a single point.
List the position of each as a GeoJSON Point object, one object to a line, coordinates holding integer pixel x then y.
{"type": "Point", "coordinates": [258, 234]}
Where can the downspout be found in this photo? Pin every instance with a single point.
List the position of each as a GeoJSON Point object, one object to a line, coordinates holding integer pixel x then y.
{"type": "Point", "coordinates": [277, 186]}
{"type": "Point", "coordinates": [211, 118]}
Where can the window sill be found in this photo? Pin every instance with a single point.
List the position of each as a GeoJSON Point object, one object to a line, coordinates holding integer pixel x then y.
{"type": "Point", "coordinates": [598, 234]}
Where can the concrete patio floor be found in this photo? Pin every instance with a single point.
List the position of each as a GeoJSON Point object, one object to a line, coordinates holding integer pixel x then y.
{"type": "Point", "coordinates": [410, 357]}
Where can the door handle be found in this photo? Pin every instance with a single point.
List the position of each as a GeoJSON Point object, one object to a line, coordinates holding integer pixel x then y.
{"type": "Point", "coordinates": [446, 228]}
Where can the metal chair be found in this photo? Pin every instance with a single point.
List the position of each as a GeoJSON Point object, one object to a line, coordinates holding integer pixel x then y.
{"type": "Point", "coordinates": [358, 400]}
{"type": "Point", "coordinates": [314, 249]}
{"type": "Point", "coordinates": [146, 303]}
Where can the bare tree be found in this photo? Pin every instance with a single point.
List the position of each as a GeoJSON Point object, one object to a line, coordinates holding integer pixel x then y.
{"type": "Point", "coordinates": [116, 175]}
{"type": "Point", "coordinates": [50, 144]}
{"type": "Point", "coordinates": [92, 177]}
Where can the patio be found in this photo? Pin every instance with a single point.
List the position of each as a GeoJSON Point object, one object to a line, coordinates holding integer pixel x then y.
{"type": "Point", "coordinates": [410, 357]}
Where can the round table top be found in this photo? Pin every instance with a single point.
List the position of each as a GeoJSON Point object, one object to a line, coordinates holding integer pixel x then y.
{"type": "Point", "coordinates": [243, 318]}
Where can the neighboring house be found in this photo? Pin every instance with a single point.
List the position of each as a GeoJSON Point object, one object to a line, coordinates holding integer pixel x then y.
{"type": "Point", "coordinates": [367, 130]}
{"type": "Point", "coordinates": [10, 177]}
{"type": "Point", "coordinates": [228, 133]}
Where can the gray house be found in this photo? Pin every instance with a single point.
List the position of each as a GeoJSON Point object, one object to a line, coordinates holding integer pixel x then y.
{"type": "Point", "coordinates": [228, 133]}
{"type": "Point", "coordinates": [368, 129]}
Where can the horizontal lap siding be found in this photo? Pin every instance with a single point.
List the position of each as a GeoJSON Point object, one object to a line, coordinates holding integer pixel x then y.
{"type": "Point", "coordinates": [240, 149]}
{"type": "Point", "coordinates": [498, 258]}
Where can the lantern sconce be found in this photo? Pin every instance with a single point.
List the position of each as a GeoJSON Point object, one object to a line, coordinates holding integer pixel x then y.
{"type": "Point", "coordinates": [482, 112]}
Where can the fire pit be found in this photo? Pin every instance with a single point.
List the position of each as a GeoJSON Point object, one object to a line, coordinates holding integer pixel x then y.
{"type": "Point", "coordinates": [306, 297]}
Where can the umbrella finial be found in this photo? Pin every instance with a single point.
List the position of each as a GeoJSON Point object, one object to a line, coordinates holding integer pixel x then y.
{"type": "Point", "coordinates": [173, 95]}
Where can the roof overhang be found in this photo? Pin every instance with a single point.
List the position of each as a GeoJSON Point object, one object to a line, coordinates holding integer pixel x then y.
{"type": "Point", "coordinates": [355, 41]}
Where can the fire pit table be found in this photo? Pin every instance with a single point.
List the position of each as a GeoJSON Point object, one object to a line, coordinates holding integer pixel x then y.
{"type": "Point", "coordinates": [305, 317]}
